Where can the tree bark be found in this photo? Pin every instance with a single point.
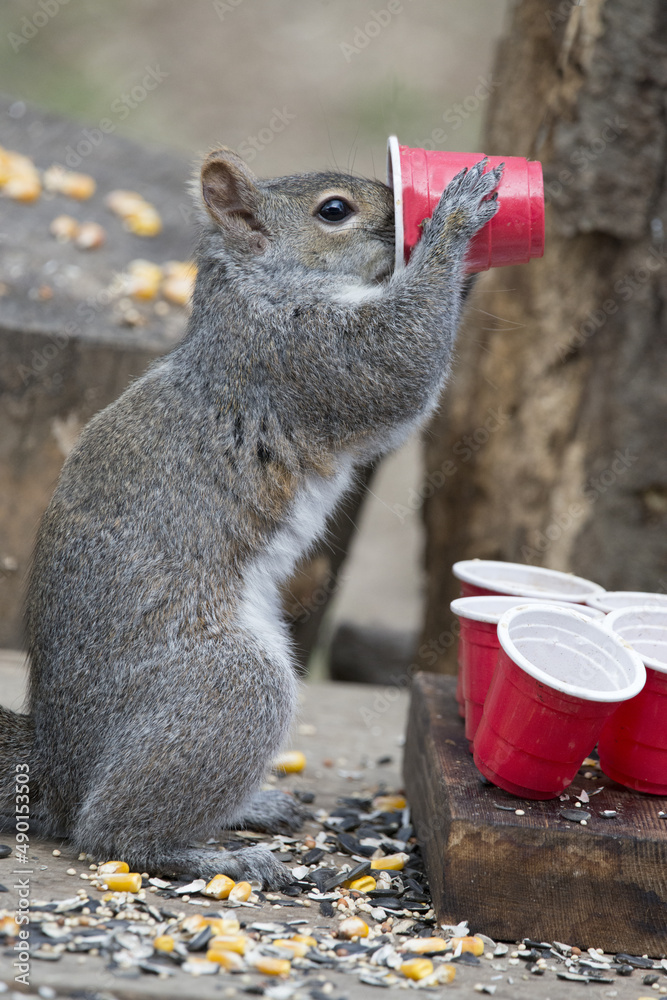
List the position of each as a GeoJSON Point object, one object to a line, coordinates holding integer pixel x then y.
{"type": "Point", "coordinates": [550, 445]}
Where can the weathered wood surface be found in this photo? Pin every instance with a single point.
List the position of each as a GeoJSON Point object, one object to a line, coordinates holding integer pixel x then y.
{"type": "Point", "coordinates": [65, 351]}
{"type": "Point", "coordinates": [549, 447]}
{"type": "Point", "coordinates": [602, 885]}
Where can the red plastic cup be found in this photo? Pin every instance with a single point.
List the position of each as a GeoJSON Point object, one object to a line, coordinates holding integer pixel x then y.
{"type": "Point", "coordinates": [485, 577]}
{"type": "Point", "coordinates": [559, 677]}
{"type": "Point", "coordinates": [612, 600]}
{"type": "Point", "coordinates": [479, 646]}
{"type": "Point", "coordinates": [633, 743]}
{"type": "Point", "coordinates": [515, 234]}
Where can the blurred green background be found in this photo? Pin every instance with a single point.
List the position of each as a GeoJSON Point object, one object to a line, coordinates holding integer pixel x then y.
{"type": "Point", "coordinates": [349, 73]}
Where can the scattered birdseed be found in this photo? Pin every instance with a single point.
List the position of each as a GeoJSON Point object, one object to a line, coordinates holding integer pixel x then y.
{"type": "Point", "coordinates": [575, 815]}
{"type": "Point", "coordinates": [636, 961]}
{"type": "Point", "coordinates": [372, 935]}
{"type": "Point", "coordinates": [290, 762]}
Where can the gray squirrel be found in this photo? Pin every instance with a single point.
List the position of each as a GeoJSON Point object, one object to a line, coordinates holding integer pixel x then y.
{"type": "Point", "coordinates": [161, 676]}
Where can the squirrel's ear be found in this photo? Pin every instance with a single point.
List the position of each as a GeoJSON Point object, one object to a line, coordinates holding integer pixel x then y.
{"type": "Point", "coordinates": [231, 196]}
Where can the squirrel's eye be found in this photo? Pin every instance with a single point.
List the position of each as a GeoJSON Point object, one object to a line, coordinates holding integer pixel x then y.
{"type": "Point", "coordinates": [334, 210]}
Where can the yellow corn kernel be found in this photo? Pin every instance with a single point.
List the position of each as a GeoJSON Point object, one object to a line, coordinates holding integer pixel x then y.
{"type": "Point", "coordinates": [113, 868]}
{"type": "Point", "coordinates": [219, 887]}
{"type": "Point", "coordinates": [145, 221]}
{"type": "Point", "coordinates": [19, 177]}
{"type": "Point", "coordinates": [272, 966]}
{"type": "Point", "coordinates": [139, 216]}
{"type": "Point", "coordinates": [222, 925]}
{"type": "Point", "coordinates": [474, 945]}
{"type": "Point", "coordinates": [178, 291]}
{"type": "Point", "coordinates": [123, 882]}
{"type": "Point", "coordinates": [198, 966]}
{"type": "Point", "coordinates": [194, 923]}
{"type": "Point", "coordinates": [353, 927]}
{"type": "Point", "coordinates": [5, 166]}
{"type": "Point", "coordinates": [290, 762]}
{"type": "Point", "coordinates": [9, 926]}
{"type": "Point", "coordinates": [445, 973]}
{"type": "Point", "coordinates": [391, 862]}
{"type": "Point", "coordinates": [229, 942]}
{"type": "Point", "coordinates": [123, 203]}
{"type": "Point", "coordinates": [306, 939]}
{"type": "Point", "coordinates": [364, 884]}
{"type": "Point", "coordinates": [298, 948]}
{"type": "Point", "coordinates": [228, 960]}
{"type": "Point", "coordinates": [389, 803]}
{"type": "Point", "coordinates": [143, 278]}
{"type": "Point", "coordinates": [64, 228]}
{"type": "Point", "coordinates": [23, 187]}
{"type": "Point", "coordinates": [61, 181]}
{"type": "Point", "coordinates": [18, 164]}
{"type": "Point", "coordinates": [422, 945]}
{"type": "Point", "coordinates": [163, 942]}
{"type": "Point", "coordinates": [179, 281]}
{"type": "Point", "coordinates": [240, 893]}
{"type": "Point", "coordinates": [417, 968]}
{"type": "Point", "coordinates": [90, 236]}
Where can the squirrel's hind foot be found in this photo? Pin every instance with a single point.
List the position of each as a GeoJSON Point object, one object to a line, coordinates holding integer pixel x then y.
{"type": "Point", "coordinates": [271, 812]}
{"type": "Point", "coordinates": [245, 865]}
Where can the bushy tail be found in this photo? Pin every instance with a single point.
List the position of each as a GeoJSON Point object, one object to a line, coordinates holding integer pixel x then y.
{"type": "Point", "coordinates": [16, 743]}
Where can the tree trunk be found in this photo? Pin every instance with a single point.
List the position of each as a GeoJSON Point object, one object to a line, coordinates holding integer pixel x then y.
{"type": "Point", "coordinates": [550, 446]}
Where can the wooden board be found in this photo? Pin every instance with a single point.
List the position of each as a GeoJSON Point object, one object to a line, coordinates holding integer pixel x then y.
{"type": "Point", "coordinates": [602, 885]}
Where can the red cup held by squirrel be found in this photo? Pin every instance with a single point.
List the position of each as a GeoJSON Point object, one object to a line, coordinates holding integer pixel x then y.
{"type": "Point", "coordinates": [515, 234]}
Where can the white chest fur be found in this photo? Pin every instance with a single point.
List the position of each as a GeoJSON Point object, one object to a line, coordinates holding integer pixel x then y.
{"type": "Point", "coordinates": [260, 613]}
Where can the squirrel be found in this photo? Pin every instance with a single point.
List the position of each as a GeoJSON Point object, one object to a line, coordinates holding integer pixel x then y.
{"type": "Point", "coordinates": [161, 677]}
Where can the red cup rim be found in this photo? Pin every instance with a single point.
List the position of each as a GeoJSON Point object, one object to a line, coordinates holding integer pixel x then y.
{"type": "Point", "coordinates": [601, 631]}
{"type": "Point", "coordinates": [492, 607]}
{"type": "Point", "coordinates": [615, 600]}
{"type": "Point", "coordinates": [395, 181]}
{"type": "Point", "coordinates": [615, 622]}
{"type": "Point", "coordinates": [480, 573]}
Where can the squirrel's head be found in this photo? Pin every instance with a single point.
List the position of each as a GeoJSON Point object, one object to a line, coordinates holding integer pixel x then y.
{"type": "Point", "coordinates": [324, 222]}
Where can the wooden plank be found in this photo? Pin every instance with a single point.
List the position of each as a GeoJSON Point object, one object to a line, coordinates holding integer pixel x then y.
{"type": "Point", "coordinates": [602, 885]}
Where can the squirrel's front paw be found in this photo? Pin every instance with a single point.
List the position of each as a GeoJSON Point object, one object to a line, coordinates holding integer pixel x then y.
{"type": "Point", "coordinates": [272, 812]}
{"type": "Point", "coordinates": [465, 205]}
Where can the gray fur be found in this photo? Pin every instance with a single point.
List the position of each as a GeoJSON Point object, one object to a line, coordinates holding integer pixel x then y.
{"type": "Point", "coordinates": [161, 683]}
